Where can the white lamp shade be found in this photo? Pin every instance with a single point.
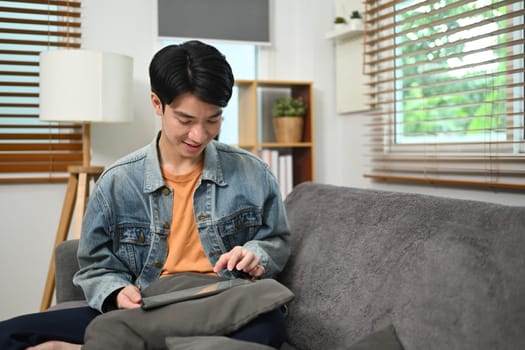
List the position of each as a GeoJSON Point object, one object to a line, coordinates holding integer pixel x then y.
{"type": "Point", "coordinates": [85, 86]}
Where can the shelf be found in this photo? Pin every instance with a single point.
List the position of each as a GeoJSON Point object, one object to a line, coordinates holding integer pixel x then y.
{"type": "Point", "coordinates": [274, 145]}
{"type": "Point", "coordinates": [255, 100]}
{"type": "Point", "coordinates": [345, 33]}
{"type": "Point", "coordinates": [246, 145]}
{"type": "Point", "coordinates": [286, 145]}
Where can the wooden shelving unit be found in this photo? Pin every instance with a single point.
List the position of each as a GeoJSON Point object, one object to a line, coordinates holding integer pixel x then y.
{"type": "Point", "coordinates": [256, 122]}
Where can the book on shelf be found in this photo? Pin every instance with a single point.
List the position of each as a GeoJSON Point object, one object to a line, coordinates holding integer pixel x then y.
{"type": "Point", "coordinates": [266, 155]}
{"type": "Point", "coordinates": [281, 164]}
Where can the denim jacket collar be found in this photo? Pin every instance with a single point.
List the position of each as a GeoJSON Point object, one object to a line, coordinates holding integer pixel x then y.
{"type": "Point", "coordinates": [212, 166]}
{"type": "Point", "coordinates": [153, 179]}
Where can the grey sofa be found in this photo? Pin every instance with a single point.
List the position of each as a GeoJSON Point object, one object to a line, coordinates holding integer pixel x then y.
{"type": "Point", "coordinates": [436, 273]}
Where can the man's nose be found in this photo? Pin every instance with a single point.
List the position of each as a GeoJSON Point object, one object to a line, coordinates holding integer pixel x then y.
{"type": "Point", "coordinates": [198, 133]}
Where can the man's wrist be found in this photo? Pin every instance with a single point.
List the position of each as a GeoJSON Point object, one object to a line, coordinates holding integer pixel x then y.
{"type": "Point", "coordinates": [110, 303]}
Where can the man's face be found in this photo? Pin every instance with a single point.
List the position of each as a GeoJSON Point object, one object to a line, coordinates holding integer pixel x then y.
{"type": "Point", "coordinates": [188, 125]}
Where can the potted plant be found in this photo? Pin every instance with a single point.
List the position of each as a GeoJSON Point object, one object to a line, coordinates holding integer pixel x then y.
{"type": "Point", "coordinates": [339, 23]}
{"type": "Point", "coordinates": [356, 21]}
{"type": "Point", "coordinates": [288, 113]}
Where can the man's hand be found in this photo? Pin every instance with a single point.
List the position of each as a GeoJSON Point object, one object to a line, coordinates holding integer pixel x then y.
{"type": "Point", "coordinates": [240, 259]}
{"type": "Point", "coordinates": [129, 298]}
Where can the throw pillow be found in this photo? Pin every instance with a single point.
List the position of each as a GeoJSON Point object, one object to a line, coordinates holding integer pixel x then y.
{"type": "Point", "coordinates": [215, 315]}
{"type": "Point", "coordinates": [211, 343]}
{"type": "Point", "coordinates": [383, 339]}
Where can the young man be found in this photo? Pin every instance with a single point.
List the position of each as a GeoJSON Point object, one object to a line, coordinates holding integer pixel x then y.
{"type": "Point", "coordinates": [184, 203]}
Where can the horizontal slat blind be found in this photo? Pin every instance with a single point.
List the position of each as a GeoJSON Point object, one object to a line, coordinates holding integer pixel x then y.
{"type": "Point", "coordinates": [446, 91]}
{"type": "Point", "coordinates": [32, 150]}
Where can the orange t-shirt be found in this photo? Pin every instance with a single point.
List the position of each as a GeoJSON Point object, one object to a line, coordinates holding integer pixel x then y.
{"type": "Point", "coordinates": [185, 251]}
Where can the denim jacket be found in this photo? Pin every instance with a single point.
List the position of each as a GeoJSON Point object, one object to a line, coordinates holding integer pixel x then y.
{"type": "Point", "coordinates": [237, 202]}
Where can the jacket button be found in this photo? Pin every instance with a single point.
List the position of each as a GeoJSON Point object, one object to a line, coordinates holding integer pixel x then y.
{"type": "Point", "coordinates": [201, 217]}
{"type": "Point", "coordinates": [141, 237]}
{"type": "Point", "coordinates": [165, 191]}
{"type": "Point", "coordinates": [158, 264]}
{"type": "Point", "coordinates": [166, 224]}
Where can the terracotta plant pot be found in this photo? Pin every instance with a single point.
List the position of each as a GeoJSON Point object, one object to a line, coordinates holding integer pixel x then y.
{"type": "Point", "coordinates": [288, 129]}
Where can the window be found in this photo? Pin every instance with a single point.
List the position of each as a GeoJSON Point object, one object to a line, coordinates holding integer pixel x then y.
{"type": "Point", "coordinates": [243, 60]}
{"type": "Point", "coordinates": [447, 91]}
{"type": "Point", "coordinates": [31, 150]}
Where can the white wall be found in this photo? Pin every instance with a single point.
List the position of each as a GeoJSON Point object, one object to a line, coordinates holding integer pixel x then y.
{"type": "Point", "coordinates": [30, 213]}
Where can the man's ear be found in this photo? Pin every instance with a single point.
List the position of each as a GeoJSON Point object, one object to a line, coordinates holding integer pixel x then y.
{"type": "Point", "coordinates": [157, 104]}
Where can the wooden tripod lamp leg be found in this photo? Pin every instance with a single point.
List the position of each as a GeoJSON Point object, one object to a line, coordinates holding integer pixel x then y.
{"type": "Point", "coordinates": [85, 175]}
{"type": "Point", "coordinates": [83, 180]}
{"type": "Point", "coordinates": [80, 207]}
{"type": "Point", "coordinates": [63, 229]}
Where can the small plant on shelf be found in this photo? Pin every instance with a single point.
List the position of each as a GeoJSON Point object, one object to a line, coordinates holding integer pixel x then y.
{"type": "Point", "coordinates": [356, 21]}
{"type": "Point", "coordinates": [339, 20]}
{"type": "Point", "coordinates": [355, 15]}
{"type": "Point", "coordinates": [289, 107]}
{"type": "Point", "coordinates": [288, 119]}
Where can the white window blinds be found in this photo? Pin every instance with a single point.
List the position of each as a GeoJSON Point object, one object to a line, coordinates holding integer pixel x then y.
{"type": "Point", "coordinates": [446, 91]}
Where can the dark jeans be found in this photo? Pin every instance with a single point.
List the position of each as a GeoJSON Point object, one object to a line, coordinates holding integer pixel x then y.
{"type": "Point", "coordinates": [69, 325]}
{"type": "Point", "coordinates": [66, 325]}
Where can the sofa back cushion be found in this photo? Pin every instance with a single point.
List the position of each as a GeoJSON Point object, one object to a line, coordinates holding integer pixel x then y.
{"type": "Point", "coordinates": [66, 265]}
{"type": "Point", "coordinates": [446, 273]}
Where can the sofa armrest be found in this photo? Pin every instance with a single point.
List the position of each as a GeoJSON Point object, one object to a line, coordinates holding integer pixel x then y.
{"type": "Point", "coordinates": [66, 265]}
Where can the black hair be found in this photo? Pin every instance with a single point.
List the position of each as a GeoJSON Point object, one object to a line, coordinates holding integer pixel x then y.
{"type": "Point", "coordinates": [193, 67]}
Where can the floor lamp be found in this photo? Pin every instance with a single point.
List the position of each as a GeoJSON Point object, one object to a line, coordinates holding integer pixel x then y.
{"type": "Point", "coordinates": [82, 86]}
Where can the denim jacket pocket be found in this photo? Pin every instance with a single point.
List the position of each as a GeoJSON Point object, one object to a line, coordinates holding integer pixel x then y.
{"type": "Point", "coordinates": [132, 245]}
{"type": "Point", "coordinates": [240, 227]}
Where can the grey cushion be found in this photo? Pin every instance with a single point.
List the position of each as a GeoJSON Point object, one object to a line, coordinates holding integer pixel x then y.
{"type": "Point", "coordinates": [214, 315]}
{"type": "Point", "coordinates": [383, 339]}
{"type": "Point", "coordinates": [287, 346]}
{"type": "Point", "coordinates": [66, 265]}
{"type": "Point", "coordinates": [211, 343]}
{"type": "Point", "coordinates": [447, 273]}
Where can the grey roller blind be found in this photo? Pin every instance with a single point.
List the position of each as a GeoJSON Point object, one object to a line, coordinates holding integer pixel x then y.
{"type": "Point", "coordinates": [237, 20]}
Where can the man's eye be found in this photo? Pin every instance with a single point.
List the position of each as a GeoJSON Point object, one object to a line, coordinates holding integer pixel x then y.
{"type": "Point", "coordinates": [214, 120]}
{"type": "Point", "coordinates": [184, 122]}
